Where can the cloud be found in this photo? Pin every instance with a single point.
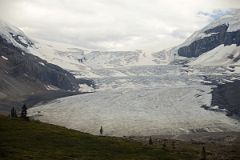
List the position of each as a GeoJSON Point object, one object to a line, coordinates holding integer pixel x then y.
{"type": "Point", "coordinates": [114, 24]}
{"type": "Point", "coordinates": [216, 14]}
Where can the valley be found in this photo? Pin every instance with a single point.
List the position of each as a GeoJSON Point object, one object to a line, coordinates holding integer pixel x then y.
{"type": "Point", "coordinates": [120, 80]}
{"type": "Point", "coordinates": [141, 100]}
{"type": "Point", "coordinates": [189, 88]}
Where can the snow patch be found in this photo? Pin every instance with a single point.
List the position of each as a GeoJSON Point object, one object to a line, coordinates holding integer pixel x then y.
{"type": "Point", "coordinates": [41, 63]}
{"type": "Point", "coordinates": [85, 88]}
{"type": "Point", "coordinates": [7, 31]}
{"type": "Point", "coordinates": [51, 88]}
{"type": "Point", "coordinates": [219, 56]}
{"type": "Point", "coordinates": [23, 40]}
{"type": "Point", "coordinates": [5, 58]}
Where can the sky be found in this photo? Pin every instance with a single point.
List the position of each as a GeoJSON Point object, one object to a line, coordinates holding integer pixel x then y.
{"type": "Point", "coordinates": [149, 25]}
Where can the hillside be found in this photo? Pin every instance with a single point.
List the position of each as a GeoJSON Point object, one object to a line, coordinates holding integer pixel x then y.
{"type": "Point", "coordinates": [34, 140]}
{"type": "Point", "coordinates": [24, 75]}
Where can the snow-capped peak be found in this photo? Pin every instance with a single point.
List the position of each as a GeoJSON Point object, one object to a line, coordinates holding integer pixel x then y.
{"type": "Point", "coordinates": [230, 19]}
{"type": "Point", "coordinates": [210, 42]}
{"type": "Point", "coordinates": [14, 35]}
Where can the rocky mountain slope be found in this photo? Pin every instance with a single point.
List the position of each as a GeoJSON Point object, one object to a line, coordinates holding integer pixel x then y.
{"type": "Point", "coordinates": [23, 74]}
{"type": "Point", "coordinates": [84, 62]}
{"type": "Point", "coordinates": [216, 44]}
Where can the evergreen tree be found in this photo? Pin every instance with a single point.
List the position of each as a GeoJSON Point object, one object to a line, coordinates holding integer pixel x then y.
{"type": "Point", "coordinates": [173, 145]}
{"type": "Point", "coordinates": [24, 112]}
{"type": "Point", "coordinates": [203, 154]}
{"type": "Point", "coordinates": [164, 145]}
{"type": "Point", "coordinates": [13, 113]}
{"type": "Point", "coordinates": [101, 130]}
{"type": "Point", "coordinates": [150, 141]}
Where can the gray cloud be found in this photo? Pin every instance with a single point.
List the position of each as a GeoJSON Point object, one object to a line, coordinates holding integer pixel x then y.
{"type": "Point", "coordinates": [113, 24]}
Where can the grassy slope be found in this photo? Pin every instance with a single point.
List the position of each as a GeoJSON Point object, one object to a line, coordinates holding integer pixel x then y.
{"type": "Point", "coordinates": [34, 140]}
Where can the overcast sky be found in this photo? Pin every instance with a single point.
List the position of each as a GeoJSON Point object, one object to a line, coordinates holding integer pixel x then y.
{"type": "Point", "coordinates": [149, 25]}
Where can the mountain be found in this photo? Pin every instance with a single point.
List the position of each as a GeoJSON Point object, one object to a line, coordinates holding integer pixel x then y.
{"type": "Point", "coordinates": [23, 75]}
{"type": "Point", "coordinates": [84, 62]}
{"type": "Point", "coordinates": [224, 31]}
{"type": "Point", "coordinates": [215, 49]}
{"type": "Point", "coordinates": [216, 44]}
{"type": "Point", "coordinates": [112, 59]}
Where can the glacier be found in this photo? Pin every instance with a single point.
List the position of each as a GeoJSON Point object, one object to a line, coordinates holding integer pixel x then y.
{"type": "Point", "coordinates": [141, 101]}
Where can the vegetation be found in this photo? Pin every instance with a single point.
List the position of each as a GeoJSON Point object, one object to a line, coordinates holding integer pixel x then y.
{"type": "Point", "coordinates": [20, 139]}
{"type": "Point", "coordinates": [150, 142]}
{"type": "Point", "coordinates": [13, 113]}
{"type": "Point", "coordinates": [101, 130]}
{"type": "Point", "coordinates": [24, 112]}
{"type": "Point", "coordinates": [203, 154]}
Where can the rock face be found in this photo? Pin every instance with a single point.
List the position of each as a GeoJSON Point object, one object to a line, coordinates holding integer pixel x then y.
{"type": "Point", "coordinates": [23, 75]}
{"type": "Point", "coordinates": [21, 40]}
{"type": "Point", "coordinates": [23, 64]}
{"type": "Point", "coordinates": [27, 78]}
{"type": "Point", "coordinates": [216, 36]}
{"type": "Point", "coordinates": [227, 96]}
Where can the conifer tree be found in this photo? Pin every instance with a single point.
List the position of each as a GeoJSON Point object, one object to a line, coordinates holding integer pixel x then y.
{"type": "Point", "coordinates": [24, 112]}
{"type": "Point", "coordinates": [164, 145]}
{"type": "Point", "coordinates": [203, 154]}
{"type": "Point", "coordinates": [173, 145]}
{"type": "Point", "coordinates": [13, 113]}
{"type": "Point", "coordinates": [101, 130]}
{"type": "Point", "coordinates": [150, 141]}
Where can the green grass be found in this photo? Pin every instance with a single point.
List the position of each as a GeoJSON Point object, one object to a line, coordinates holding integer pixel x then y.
{"type": "Point", "coordinates": [34, 140]}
